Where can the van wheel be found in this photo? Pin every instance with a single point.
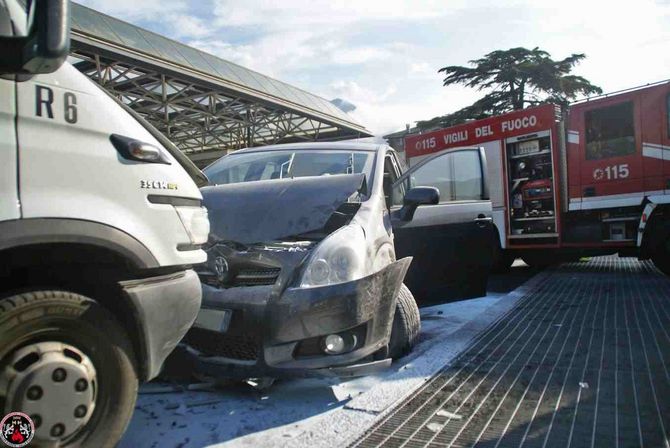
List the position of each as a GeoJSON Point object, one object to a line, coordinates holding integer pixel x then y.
{"type": "Point", "coordinates": [68, 364]}
{"type": "Point", "coordinates": [406, 324]}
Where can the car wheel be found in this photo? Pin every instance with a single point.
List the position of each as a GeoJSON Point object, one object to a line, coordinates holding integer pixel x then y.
{"type": "Point", "coordinates": [406, 324]}
{"type": "Point", "coordinates": [68, 364]}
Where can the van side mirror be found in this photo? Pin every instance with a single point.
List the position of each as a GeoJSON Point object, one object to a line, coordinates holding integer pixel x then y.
{"type": "Point", "coordinates": [45, 46]}
{"type": "Point", "coordinates": [415, 197]}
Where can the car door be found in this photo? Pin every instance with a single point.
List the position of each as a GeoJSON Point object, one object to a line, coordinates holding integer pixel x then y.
{"type": "Point", "coordinates": [452, 241]}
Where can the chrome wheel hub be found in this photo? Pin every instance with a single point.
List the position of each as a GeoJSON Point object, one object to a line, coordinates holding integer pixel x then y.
{"type": "Point", "coordinates": [55, 384]}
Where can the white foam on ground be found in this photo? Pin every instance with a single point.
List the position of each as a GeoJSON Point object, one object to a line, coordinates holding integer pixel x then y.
{"type": "Point", "coordinates": [310, 412]}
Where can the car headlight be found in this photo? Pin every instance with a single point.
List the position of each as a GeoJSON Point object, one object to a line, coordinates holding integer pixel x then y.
{"type": "Point", "coordinates": [339, 258]}
{"type": "Point", "coordinates": [196, 223]}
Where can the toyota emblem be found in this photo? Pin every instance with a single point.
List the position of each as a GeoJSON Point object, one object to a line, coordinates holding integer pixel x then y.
{"type": "Point", "coordinates": [221, 268]}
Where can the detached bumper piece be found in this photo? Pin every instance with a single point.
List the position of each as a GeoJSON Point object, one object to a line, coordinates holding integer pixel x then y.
{"type": "Point", "coordinates": [244, 332]}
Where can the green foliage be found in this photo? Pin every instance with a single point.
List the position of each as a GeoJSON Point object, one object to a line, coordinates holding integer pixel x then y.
{"type": "Point", "coordinates": [516, 78]}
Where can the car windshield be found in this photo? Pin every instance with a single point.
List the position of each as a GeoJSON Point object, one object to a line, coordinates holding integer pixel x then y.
{"type": "Point", "coordinates": [266, 165]}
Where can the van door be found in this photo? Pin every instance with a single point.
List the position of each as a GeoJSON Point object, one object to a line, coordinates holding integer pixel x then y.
{"type": "Point", "coordinates": [9, 197]}
{"type": "Point", "coordinates": [452, 241]}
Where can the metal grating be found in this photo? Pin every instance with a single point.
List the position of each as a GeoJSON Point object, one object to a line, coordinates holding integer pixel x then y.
{"type": "Point", "coordinates": [205, 105]}
{"type": "Point", "coordinates": [582, 361]}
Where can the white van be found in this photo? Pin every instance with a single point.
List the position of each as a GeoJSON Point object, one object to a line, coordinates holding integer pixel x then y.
{"type": "Point", "coordinates": [100, 223]}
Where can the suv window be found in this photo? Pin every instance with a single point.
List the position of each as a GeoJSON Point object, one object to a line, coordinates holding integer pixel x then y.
{"type": "Point", "coordinates": [390, 176]}
{"type": "Point", "coordinates": [610, 132]}
{"type": "Point", "coordinates": [467, 176]}
{"type": "Point", "coordinates": [456, 174]}
{"type": "Point", "coordinates": [268, 165]}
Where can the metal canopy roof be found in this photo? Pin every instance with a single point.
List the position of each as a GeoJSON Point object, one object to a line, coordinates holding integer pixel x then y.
{"type": "Point", "coordinates": [198, 100]}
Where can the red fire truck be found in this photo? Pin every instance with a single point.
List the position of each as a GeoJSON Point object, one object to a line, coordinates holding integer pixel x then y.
{"type": "Point", "coordinates": [594, 180]}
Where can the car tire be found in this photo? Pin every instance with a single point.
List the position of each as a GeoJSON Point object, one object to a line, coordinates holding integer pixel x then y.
{"type": "Point", "coordinates": [406, 324]}
{"type": "Point", "coordinates": [49, 330]}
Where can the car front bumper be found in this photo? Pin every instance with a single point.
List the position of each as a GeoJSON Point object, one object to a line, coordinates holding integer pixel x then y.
{"type": "Point", "coordinates": [270, 333]}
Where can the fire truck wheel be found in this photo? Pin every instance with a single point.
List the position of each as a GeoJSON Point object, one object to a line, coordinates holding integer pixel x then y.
{"type": "Point", "coordinates": [661, 259]}
{"type": "Point", "coordinates": [406, 324]}
{"type": "Point", "coordinates": [539, 261]}
{"type": "Point", "coordinates": [67, 363]}
{"type": "Point", "coordinates": [502, 260]}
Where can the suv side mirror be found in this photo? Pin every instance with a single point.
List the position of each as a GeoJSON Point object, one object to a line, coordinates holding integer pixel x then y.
{"type": "Point", "coordinates": [47, 43]}
{"type": "Point", "coordinates": [415, 197]}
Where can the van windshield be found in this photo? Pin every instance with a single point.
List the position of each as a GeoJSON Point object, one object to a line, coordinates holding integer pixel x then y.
{"type": "Point", "coordinates": [268, 165]}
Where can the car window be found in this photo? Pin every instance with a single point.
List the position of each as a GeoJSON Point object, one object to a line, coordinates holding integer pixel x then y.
{"type": "Point", "coordinates": [610, 131]}
{"type": "Point", "coordinates": [467, 176]}
{"type": "Point", "coordinates": [390, 177]}
{"type": "Point", "coordinates": [268, 165]}
{"type": "Point", "coordinates": [457, 175]}
{"type": "Point", "coordinates": [434, 173]}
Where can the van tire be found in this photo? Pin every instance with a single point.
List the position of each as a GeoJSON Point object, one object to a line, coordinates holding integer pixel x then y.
{"type": "Point", "coordinates": [406, 324]}
{"type": "Point", "coordinates": [38, 318]}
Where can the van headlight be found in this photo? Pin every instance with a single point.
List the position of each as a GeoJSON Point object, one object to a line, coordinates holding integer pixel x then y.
{"type": "Point", "coordinates": [196, 223]}
{"type": "Point", "coordinates": [341, 257]}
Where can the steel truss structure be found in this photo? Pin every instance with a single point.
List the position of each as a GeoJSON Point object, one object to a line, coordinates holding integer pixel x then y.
{"type": "Point", "coordinates": [201, 114]}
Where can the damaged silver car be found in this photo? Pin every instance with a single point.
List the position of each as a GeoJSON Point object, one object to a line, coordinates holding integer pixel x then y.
{"type": "Point", "coordinates": [302, 276]}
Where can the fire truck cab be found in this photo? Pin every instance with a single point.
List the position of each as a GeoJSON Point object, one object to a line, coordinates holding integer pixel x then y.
{"type": "Point", "coordinates": [618, 153]}
{"type": "Point", "coordinates": [592, 179]}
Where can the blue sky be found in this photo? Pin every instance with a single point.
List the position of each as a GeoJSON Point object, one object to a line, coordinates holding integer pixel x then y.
{"type": "Point", "coordinates": [383, 56]}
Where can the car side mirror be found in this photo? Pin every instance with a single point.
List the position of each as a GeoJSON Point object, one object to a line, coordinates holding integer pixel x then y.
{"type": "Point", "coordinates": [45, 46]}
{"type": "Point", "coordinates": [415, 197]}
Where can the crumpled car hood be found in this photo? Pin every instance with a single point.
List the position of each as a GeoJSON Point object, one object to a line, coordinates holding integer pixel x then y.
{"type": "Point", "coordinates": [263, 211]}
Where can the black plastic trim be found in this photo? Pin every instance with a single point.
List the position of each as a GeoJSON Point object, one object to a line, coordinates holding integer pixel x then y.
{"type": "Point", "coordinates": [26, 232]}
{"type": "Point", "coordinates": [174, 200]}
{"type": "Point", "coordinates": [188, 247]}
{"type": "Point", "coordinates": [123, 145]}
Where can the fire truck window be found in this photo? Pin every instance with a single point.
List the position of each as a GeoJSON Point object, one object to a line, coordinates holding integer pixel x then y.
{"type": "Point", "coordinates": [610, 132]}
{"type": "Point", "coordinates": [435, 173]}
{"type": "Point", "coordinates": [667, 112]}
{"type": "Point", "coordinates": [467, 176]}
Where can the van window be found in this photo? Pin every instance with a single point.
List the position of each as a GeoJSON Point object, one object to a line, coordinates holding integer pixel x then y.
{"type": "Point", "coordinates": [610, 132]}
{"type": "Point", "coordinates": [467, 176]}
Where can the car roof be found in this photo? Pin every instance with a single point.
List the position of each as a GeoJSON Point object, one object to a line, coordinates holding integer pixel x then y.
{"type": "Point", "coordinates": [347, 145]}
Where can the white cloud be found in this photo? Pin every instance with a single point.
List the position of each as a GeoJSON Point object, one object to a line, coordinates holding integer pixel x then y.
{"type": "Point", "coordinates": [134, 10]}
{"type": "Point", "coordinates": [336, 48]}
{"type": "Point", "coordinates": [190, 26]}
{"type": "Point", "coordinates": [359, 55]}
{"type": "Point", "coordinates": [288, 14]}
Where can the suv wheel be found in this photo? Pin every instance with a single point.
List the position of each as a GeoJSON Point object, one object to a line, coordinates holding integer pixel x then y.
{"type": "Point", "coordinates": [406, 324]}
